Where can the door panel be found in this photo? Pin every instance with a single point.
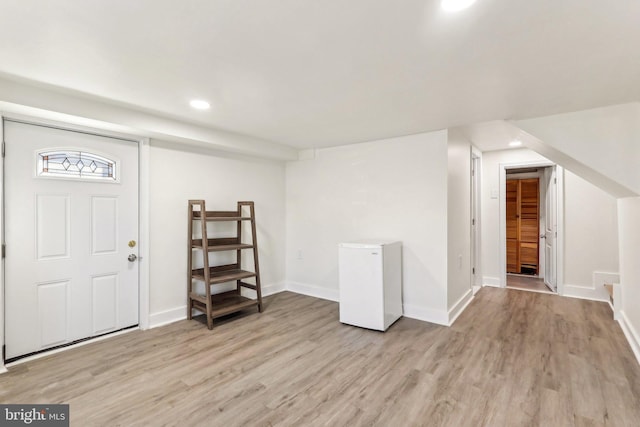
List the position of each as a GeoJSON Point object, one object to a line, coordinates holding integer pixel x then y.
{"type": "Point", "coordinates": [104, 225]}
{"type": "Point", "coordinates": [52, 312]}
{"type": "Point", "coordinates": [512, 227]}
{"type": "Point", "coordinates": [66, 270]}
{"type": "Point", "coordinates": [52, 226]}
{"type": "Point", "coordinates": [105, 303]}
{"type": "Point", "coordinates": [528, 254]}
{"type": "Point", "coordinates": [529, 225]}
{"type": "Point", "coordinates": [523, 225]}
{"type": "Point", "coordinates": [512, 256]}
{"type": "Point", "coordinates": [550, 229]}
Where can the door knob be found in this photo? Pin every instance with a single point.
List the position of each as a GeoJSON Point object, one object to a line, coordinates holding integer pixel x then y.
{"type": "Point", "coordinates": [543, 236]}
{"type": "Point", "coordinates": [132, 257]}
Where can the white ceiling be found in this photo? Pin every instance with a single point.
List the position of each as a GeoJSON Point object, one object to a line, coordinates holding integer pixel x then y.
{"type": "Point", "coordinates": [493, 135]}
{"type": "Point", "coordinates": [320, 73]}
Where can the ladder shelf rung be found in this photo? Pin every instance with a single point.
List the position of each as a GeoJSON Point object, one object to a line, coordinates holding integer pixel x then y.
{"type": "Point", "coordinates": [248, 285]}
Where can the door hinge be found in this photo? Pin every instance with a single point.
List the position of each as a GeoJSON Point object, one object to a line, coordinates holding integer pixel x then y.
{"type": "Point", "coordinates": [473, 270]}
{"type": "Point", "coordinates": [4, 250]}
{"type": "Point", "coordinates": [473, 221]}
{"type": "Point", "coordinates": [3, 145]}
{"type": "Point", "coordinates": [555, 180]}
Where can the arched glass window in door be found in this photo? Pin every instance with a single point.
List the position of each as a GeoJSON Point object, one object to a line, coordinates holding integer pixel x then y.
{"type": "Point", "coordinates": [76, 164]}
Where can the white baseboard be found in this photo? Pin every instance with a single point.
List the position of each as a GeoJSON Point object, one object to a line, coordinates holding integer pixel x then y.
{"type": "Point", "coordinates": [314, 291]}
{"type": "Point", "coordinates": [424, 314]}
{"type": "Point", "coordinates": [632, 335]}
{"type": "Point", "coordinates": [439, 317]}
{"type": "Point", "coordinates": [180, 313]}
{"type": "Point", "coordinates": [491, 281]}
{"type": "Point", "coordinates": [3, 369]}
{"type": "Point", "coordinates": [586, 292]}
{"type": "Point", "coordinates": [168, 316]}
{"type": "Point", "coordinates": [459, 306]}
{"type": "Point", "coordinates": [273, 289]}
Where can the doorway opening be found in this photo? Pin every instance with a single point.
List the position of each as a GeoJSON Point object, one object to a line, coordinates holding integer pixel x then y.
{"type": "Point", "coordinates": [523, 218]}
{"type": "Point", "coordinates": [531, 226]}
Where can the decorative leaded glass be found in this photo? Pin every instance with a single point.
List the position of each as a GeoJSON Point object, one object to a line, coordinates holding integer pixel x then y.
{"type": "Point", "coordinates": [76, 164]}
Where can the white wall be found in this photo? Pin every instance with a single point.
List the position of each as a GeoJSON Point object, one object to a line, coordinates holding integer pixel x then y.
{"type": "Point", "coordinates": [389, 189]}
{"type": "Point", "coordinates": [591, 235]}
{"type": "Point", "coordinates": [629, 226]}
{"type": "Point", "coordinates": [605, 139]}
{"type": "Point", "coordinates": [458, 220]}
{"type": "Point", "coordinates": [177, 175]}
{"type": "Point", "coordinates": [591, 244]}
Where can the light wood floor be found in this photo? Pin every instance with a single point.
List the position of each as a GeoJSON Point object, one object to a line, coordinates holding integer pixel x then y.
{"type": "Point", "coordinates": [511, 359]}
{"type": "Point", "coordinates": [527, 283]}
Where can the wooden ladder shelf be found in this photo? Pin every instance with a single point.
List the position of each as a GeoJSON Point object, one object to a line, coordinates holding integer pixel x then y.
{"type": "Point", "coordinates": [220, 304]}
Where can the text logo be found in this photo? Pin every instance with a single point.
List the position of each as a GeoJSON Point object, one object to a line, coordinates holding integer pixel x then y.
{"type": "Point", "coordinates": [34, 415]}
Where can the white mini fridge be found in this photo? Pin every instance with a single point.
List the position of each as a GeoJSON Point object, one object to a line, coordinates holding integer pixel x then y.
{"type": "Point", "coordinates": [370, 277]}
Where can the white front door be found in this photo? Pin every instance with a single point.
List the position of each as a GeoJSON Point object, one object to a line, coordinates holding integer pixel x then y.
{"type": "Point", "coordinates": [71, 203]}
{"type": "Point", "coordinates": [550, 231]}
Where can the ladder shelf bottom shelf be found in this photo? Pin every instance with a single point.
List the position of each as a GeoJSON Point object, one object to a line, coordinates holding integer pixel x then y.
{"type": "Point", "coordinates": [225, 303]}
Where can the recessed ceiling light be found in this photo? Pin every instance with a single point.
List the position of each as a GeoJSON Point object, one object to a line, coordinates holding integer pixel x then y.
{"type": "Point", "coordinates": [515, 143]}
{"type": "Point", "coordinates": [456, 5]}
{"type": "Point", "coordinates": [199, 104]}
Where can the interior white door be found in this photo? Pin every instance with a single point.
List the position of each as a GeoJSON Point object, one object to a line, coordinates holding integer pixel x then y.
{"type": "Point", "coordinates": [71, 203]}
{"type": "Point", "coordinates": [550, 229]}
{"type": "Point", "coordinates": [474, 222]}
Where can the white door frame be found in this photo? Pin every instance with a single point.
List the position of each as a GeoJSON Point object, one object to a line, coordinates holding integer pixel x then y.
{"type": "Point", "coordinates": [143, 212]}
{"type": "Point", "coordinates": [2, 367]}
{"type": "Point", "coordinates": [476, 183]}
{"type": "Point", "coordinates": [560, 218]}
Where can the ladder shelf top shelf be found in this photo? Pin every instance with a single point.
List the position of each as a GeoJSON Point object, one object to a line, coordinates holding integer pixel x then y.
{"type": "Point", "coordinates": [221, 216]}
{"type": "Point", "coordinates": [212, 245]}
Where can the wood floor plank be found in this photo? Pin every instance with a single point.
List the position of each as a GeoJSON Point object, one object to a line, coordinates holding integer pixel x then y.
{"type": "Point", "coordinates": [512, 358]}
{"type": "Point", "coordinates": [555, 407]}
